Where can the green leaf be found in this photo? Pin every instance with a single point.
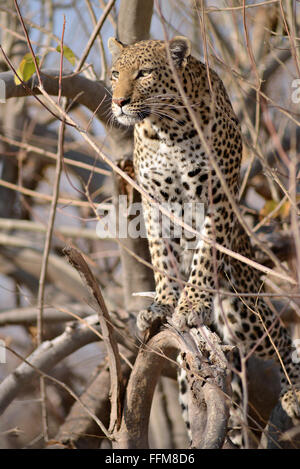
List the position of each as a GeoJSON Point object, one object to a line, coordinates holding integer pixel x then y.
{"type": "Point", "coordinates": [68, 54]}
{"type": "Point", "coordinates": [26, 68]}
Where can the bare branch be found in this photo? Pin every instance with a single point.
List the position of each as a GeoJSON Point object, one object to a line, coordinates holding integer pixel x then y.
{"type": "Point", "coordinates": [9, 224]}
{"type": "Point", "coordinates": [95, 33]}
{"type": "Point", "coordinates": [79, 430]}
{"type": "Point", "coordinates": [133, 432]}
{"type": "Point", "coordinates": [78, 262]}
{"type": "Point", "coordinates": [27, 316]}
{"type": "Point", "coordinates": [28, 42]}
{"type": "Point", "coordinates": [59, 272]}
{"type": "Point", "coordinates": [87, 92]}
{"type": "Point", "coordinates": [46, 357]}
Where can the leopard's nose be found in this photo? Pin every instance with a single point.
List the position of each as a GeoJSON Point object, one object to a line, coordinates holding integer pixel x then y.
{"type": "Point", "coordinates": [121, 101]}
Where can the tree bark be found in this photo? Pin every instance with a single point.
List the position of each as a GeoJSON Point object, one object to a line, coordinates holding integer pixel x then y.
{"type": "Point", "coordinates": [134, 20]}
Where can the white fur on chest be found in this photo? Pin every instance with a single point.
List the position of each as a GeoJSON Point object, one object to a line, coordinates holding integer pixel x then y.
{"type": "Point", "coordinates": [164, 166]}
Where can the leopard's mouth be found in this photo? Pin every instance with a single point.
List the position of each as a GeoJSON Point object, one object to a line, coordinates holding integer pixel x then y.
{"type": "Point", "coordinates": [131, 117]}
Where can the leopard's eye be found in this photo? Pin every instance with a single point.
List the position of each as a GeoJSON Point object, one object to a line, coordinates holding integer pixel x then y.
{"type": "Point", "coordinates": [114, 74]}
{"type": "Point", "coordinates": [144, 73]}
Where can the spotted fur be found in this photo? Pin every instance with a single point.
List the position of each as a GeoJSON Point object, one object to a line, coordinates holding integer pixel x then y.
{"type": "Point", "coordinates": [172, 165]}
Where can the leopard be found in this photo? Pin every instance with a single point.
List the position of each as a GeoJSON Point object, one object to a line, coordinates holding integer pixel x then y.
{"type": "Point", "coordinates": [188, 150]}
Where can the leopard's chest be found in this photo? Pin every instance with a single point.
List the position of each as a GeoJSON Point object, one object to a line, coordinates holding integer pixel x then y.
{"type": "Point", "coordinates": [171, 171]}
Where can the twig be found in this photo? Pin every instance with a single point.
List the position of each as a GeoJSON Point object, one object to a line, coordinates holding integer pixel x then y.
{"type": "Point", "coordinates": [236, 8]}
{"type": "Point", "coordinates": [78, 262]}
{"type": "Point", "coordinates": [101, 46]}
{"type": "Point", "coordinates": [42, 280]}
{"type": "Point", "coordinates": [32, 24]}
{"type": "Point", "coordinates": [9, 224]}
{"type": "Point", "coordinates": [95, 33]}
{"type": "Point", "coordinates": [61, 61]}
{"type": "Point", "coordinates": [38, 195]}
{"type": "Point", "coordinates": [291, 39]}
{"type": "Point", "coordinates": [49, 154]}
{"type": "Point", "coordinates": [28, 91]}
{"type": "Point", "coordinates": [27, 316]}
{"type": "Point", "coordinates": [29, 44]}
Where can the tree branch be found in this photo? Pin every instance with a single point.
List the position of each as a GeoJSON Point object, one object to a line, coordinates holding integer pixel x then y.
{"type": "Point", "coordinates": [46, 357]}
{"type": "Point", "coordinates": [27, 316]}
{"type": "Point", "coordinates": [79, 430]}
{"type": "Point", "coordinates": [148, 366]}
{"type": "Point", "coordinates": [116, 388]}
{"type": "Point", "coordinates": [87, 92]}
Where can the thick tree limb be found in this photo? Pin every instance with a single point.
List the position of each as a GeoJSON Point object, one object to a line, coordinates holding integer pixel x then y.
{"type": "Point", "coordinates": [148, 366]}
{"type": "Point", "coordinates": [133, 432]}
{"type": "Point", "coordinates": [87, 92]}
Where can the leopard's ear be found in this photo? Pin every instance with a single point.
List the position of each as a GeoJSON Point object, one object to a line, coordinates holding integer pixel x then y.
{"type": "Point", "coordinates": [115, 48]}
{"type": "Point", "coordinates": [180, 48]}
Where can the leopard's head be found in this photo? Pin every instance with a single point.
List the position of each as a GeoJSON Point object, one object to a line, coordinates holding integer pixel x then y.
{"type": "Point", "coordinates": [142, 78]}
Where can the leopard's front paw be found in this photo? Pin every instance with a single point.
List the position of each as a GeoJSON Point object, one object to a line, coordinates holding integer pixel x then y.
{"type": "Point", "coordinates": [188, 315]}
{"type": "Point", "coordinates": [185, 320]}
{"type": "Point", "coordinates": [290, 402]}
{"type": "Point", "coordinates": [156, 313]}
